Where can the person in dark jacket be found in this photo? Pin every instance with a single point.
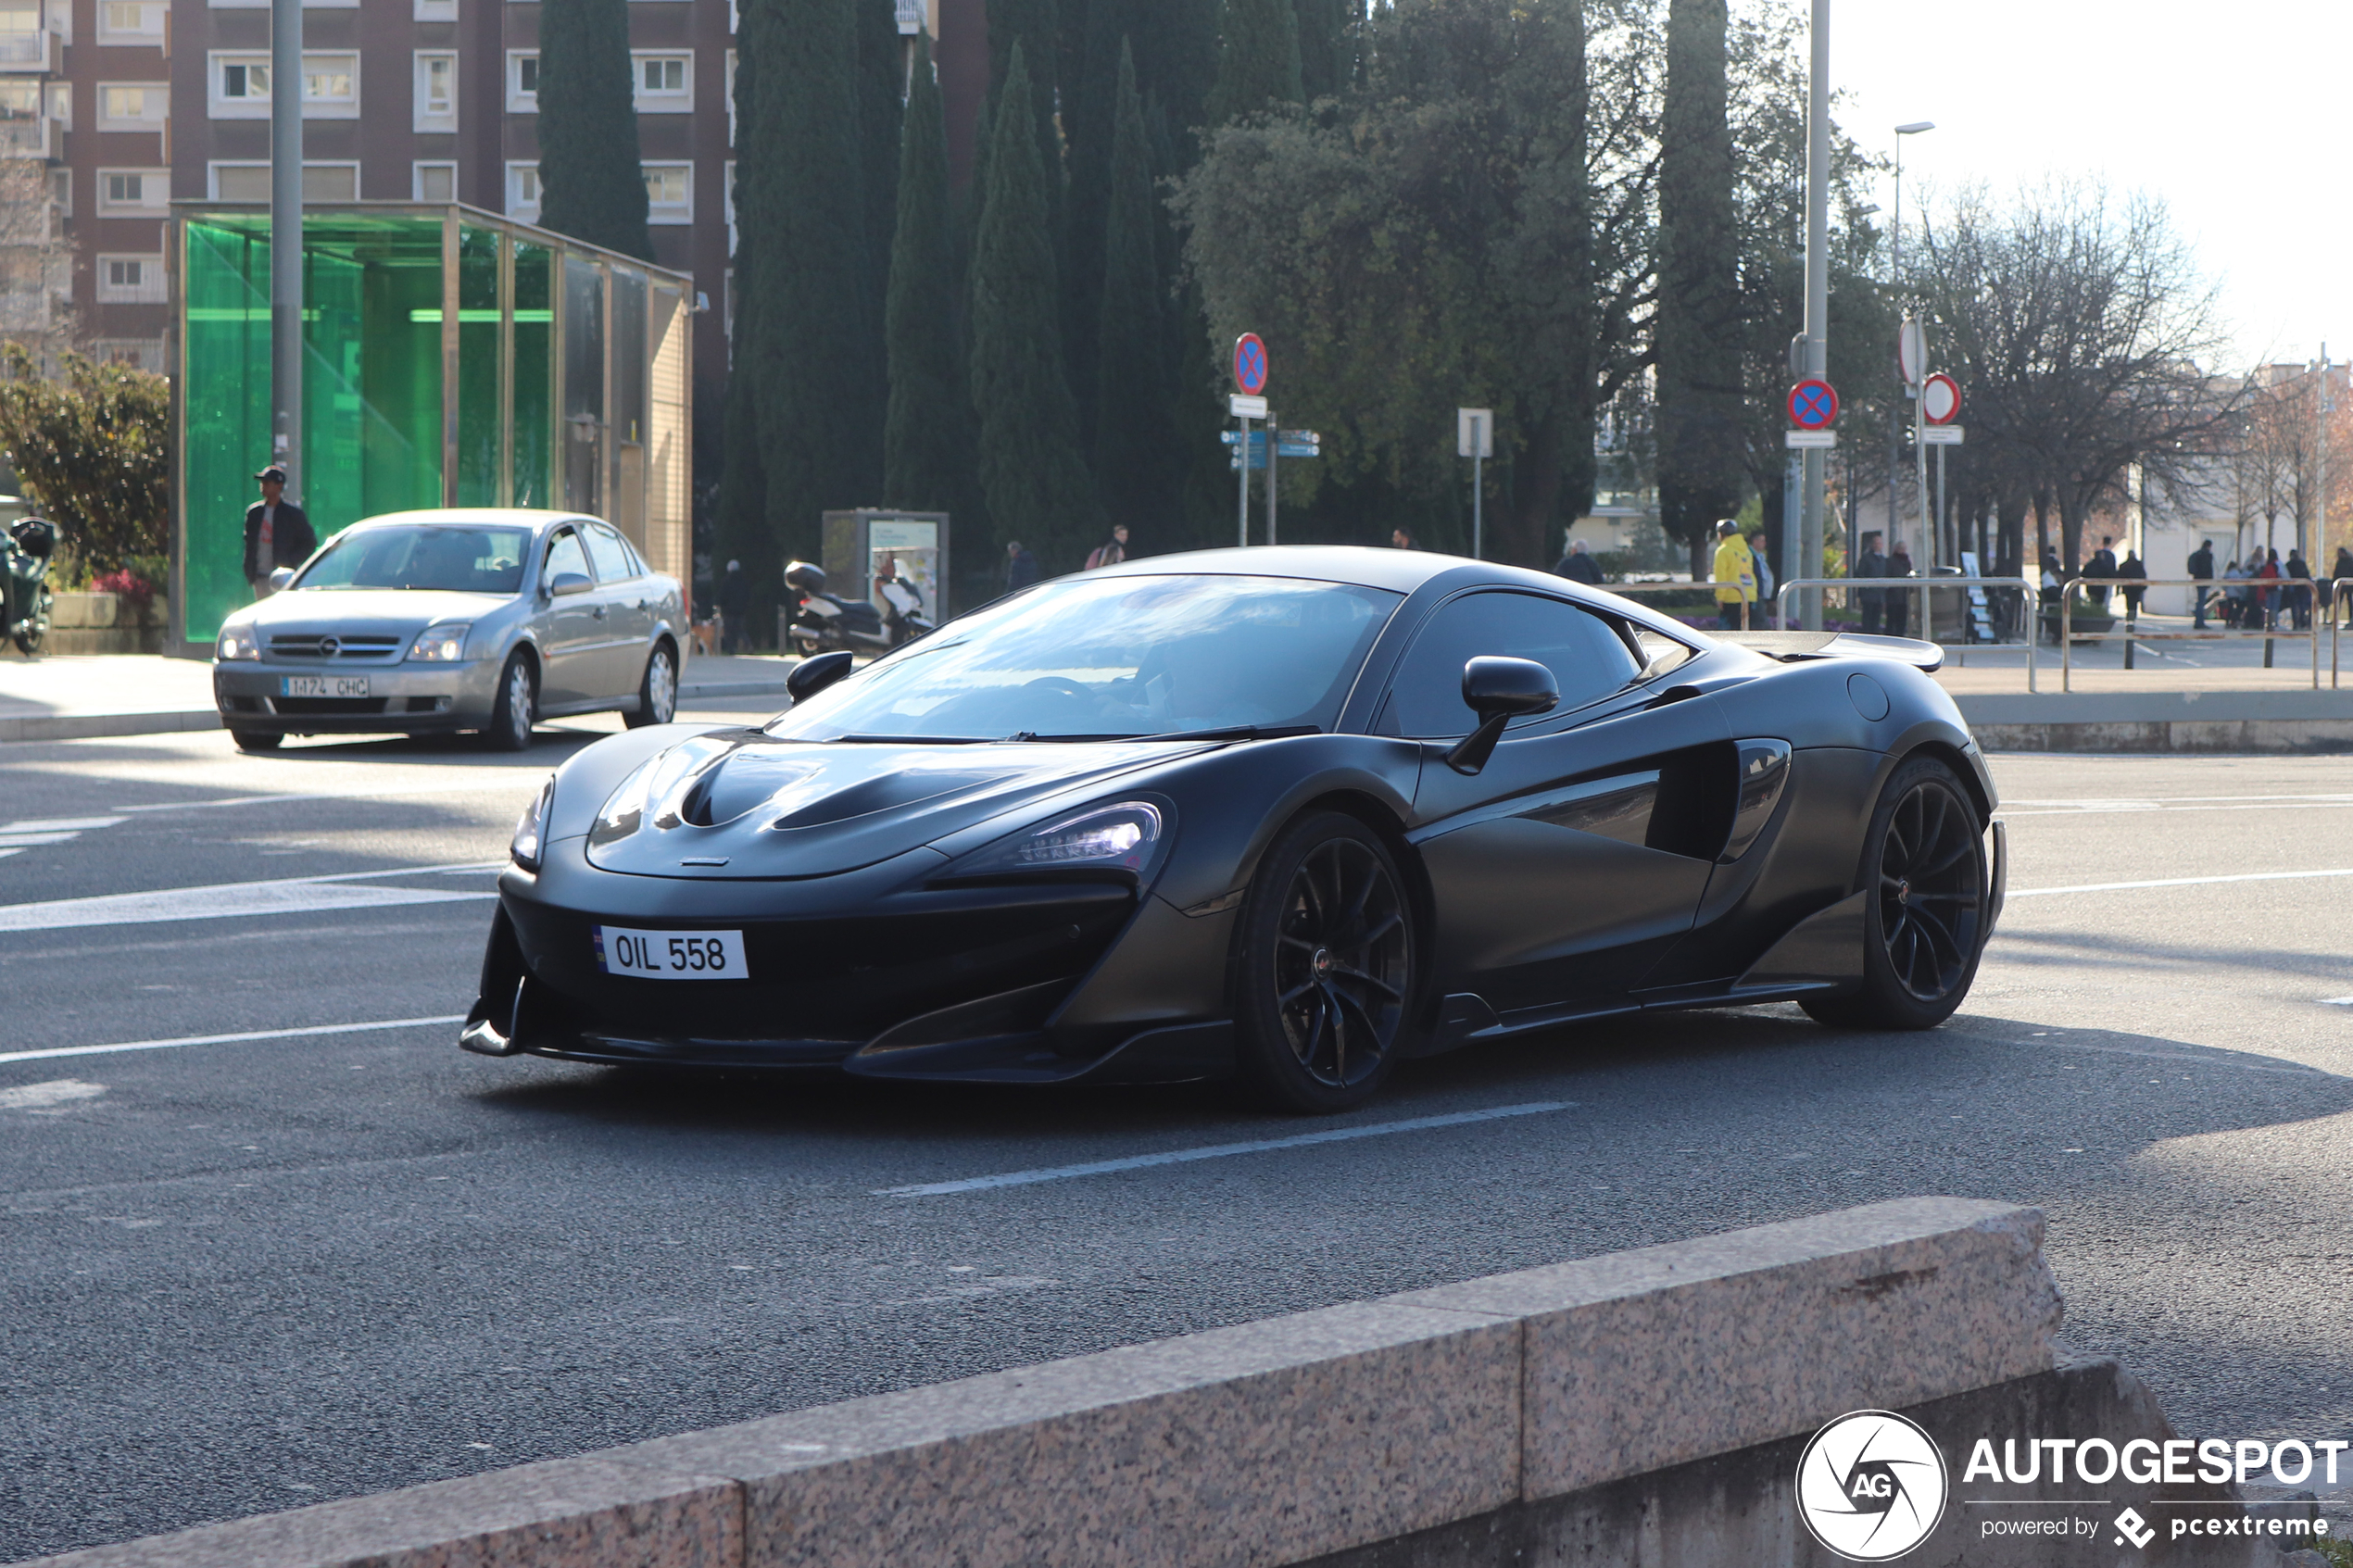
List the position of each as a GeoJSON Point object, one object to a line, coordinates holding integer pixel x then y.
{"type": "Point", "coordinates": [2102, 564]}
{"type": "Point", "coordinates": [2300, 598]}
{"type": "Point", "coordinates": [1870, 563]}
{"type": "Point", "coordinates": [1021, 567]}
{"type": "Point", "coordinates": [1899, 604]}
{"type": "Point", "coordinates": [734, 598]}
{"type": "Point", "coordinates": [2201, 565]}
{"type": "Point", "coordinates": [277, 533]}
{"type": "Point", "coordinates": [2132, 567]}
{"type": "Point", "coordinates": [1578, 566]}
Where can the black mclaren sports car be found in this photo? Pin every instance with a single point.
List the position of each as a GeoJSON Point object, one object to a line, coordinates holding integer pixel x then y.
{"type": "Point", "coordinates": [1286, 816]}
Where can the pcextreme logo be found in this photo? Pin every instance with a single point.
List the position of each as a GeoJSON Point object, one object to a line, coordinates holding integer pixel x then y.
{"type": "Point", "coordinates": [1870, 1486]}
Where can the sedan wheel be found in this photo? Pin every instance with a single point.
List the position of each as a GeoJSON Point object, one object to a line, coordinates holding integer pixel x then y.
{"type": "Point", "coordinates": [1325, 976]}
{"type": "Point", "coordinates": [656, 693]}
{"type": "Point", "coordinates": [511, 716]}
{"type": "Point", "coordinates": [1926, 875]}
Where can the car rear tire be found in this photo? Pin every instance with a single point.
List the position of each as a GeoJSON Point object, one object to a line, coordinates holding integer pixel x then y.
{"type": "Point", "coordinates": [256, 740]}
{"type": "Point", "coordinates": [1924, 865]}
{"type": "Point", "coordinates": [657, 690]}
{"type": "Point", "coordinates": [1324, 968]}
{"type": "Point", "coordinates": [518, 705]}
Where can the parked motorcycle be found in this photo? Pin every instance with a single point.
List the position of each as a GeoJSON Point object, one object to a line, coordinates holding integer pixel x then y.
{"type": "Point", "coordinates": [25, 599]}
{"type": "Point", "coordinates": [823, 620]}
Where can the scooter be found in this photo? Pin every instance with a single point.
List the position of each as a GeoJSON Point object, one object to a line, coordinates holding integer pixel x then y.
{"type": "Point", "coordinates": [824, 620]}
{"type": "Point", "coordinates": [25, 599]}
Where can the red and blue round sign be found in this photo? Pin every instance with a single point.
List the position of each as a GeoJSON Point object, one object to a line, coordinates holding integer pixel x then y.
{"type": "Point", "coordinates": [1249, 364]}
{"type": "Point", "coordinates": [1813, 404]}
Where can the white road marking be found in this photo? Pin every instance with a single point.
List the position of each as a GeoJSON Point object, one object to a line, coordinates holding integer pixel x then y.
{"type": "Point", "coordinates": [301, 895]}
{"type": "Point", "coordinates": [22, 840]}
{"type": "Point", "coordinates": [61, 824]}
{"type": "Point", "coordinates": [501, 779]}
{"type": "Point", "coordinates": [2336, 1001]}
{"type": "Point", "coordinates": [230, 1039]}
{"type": "Point", "coordinates": [1218, 1151]}
{"type": "Point", "coordinates": [2172, 882]}
{"type": "Point", "coordinates": [57, 1091]}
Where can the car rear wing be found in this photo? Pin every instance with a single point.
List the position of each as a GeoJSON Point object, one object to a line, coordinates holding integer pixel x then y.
{"type": "Point", "coordinates": [1792, 647]}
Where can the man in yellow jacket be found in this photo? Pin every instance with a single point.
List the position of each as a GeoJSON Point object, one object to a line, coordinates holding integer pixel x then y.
{"type": "Point", "coordinates": [1735, 575]}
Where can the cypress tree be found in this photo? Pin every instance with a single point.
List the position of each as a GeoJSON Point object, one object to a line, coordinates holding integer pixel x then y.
{"type": "Point", "coordinates": [1032, 477]}
{"type": "Point", "coordinates": [1134, 436]}
{"type": "Point", "coordinates": [880, 79]}
{"type": "Point", "coordinates": [1257, 59]}
{"type": "Point", "coordinates": [1327, 47]}
{"type": "Point", "coordinates": [1092, 103]}
{"type": "Point", "coordinates": [1033, 26]}
{"type": "Point", "coordinates": [927, 438]}
{"type": "Point", "coordinates": [591, 183]}
{"type": "Point", "coordinates": [1698, 319]}
{"type": "Point", "coordinates": [1177, 60]}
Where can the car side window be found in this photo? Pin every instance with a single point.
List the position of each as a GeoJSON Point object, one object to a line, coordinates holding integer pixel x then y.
{"type": "Point", "coordinates": [1585, 654]}
{"type": "Point", "coordinates": [565, 555]}
{"type": "Point", "coordinates": [605, 547]}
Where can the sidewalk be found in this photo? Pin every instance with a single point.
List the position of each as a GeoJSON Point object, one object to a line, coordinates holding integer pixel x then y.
{"type": "Point", "coordinates": [68, 696]}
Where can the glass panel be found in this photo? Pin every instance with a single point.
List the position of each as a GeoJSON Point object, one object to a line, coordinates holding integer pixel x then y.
{"type": "Point", "coordinates": [610, 554]}
{"type": "Point", "coordinates": [669, 458]}
{"type": "Point", "coordinates": [372, 380]}
{"type": "Point", "coordinates": [226, 340]}
{"type": "Point", "coordinates": [628, 506]}
{"type": "Point", "coordinates": [534, 351]}
{"type": "Point", "coordinates": [583, 352]}
{"type": "Point", "coordinates": [479, 453]}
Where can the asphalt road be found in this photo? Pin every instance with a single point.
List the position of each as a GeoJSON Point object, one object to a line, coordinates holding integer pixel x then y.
{"type": "Point", "coordinates": [241, 1276]}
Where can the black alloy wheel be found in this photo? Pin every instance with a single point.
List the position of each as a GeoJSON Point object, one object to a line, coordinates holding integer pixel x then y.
{"type": "Point", "coordinates": [1925, 878]}
{"type": "Point", "coordinates": [1324, 979]}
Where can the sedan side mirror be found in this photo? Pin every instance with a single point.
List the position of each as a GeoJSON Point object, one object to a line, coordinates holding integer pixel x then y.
{"type": "Point", "coordinates": [565, 583]}
{"type": "Point", "coordinates": [813, 675]}
{"type": "Point", "coordinates": [1499, 690]}
{"type": "Point", "coordinates": [281, 579]}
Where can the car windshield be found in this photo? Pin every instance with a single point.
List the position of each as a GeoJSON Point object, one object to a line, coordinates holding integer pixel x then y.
{"type": "Point", "coordinates": [1098, 657]}
{"type": "Point", "coordinates": [484, 559]}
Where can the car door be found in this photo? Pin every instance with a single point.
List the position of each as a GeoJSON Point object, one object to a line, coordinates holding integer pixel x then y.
{"type": "Point", "coordinates": [1565, 868]}
{"type": "Point", "coordinates": [571, 627]}
{"type": "Point", "coordinates": [625, 595]}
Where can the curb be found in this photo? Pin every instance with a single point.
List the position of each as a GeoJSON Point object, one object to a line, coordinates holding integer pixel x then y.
{"type": "Point", "coordinates": [89, 726]}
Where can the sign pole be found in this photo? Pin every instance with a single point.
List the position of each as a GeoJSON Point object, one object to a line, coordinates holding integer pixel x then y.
{"type": "Point", "coordinates": [1478, 509]}
{"type": "Point", "coordinates": [1273, 434]}
{"type": "Point", "coordinates": [1242, 517]}
{"type": "Point", "coordinates": [1249, 368]}
{"type": "Point", "coordinates": [286, 241]}
{"type": "Point", "coordinates": [1818, 298]}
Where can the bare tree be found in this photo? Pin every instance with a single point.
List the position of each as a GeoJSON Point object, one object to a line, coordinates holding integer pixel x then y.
{"type": "Point", "coordinates": [36, 263]}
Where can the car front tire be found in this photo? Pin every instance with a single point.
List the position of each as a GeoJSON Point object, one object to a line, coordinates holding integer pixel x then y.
{"type": "Point", "coordinates": [256, 740]}
{"type": "Point", "coordinates": [517, 705]}
{"type": "Point", "coordinates": [657, 690]}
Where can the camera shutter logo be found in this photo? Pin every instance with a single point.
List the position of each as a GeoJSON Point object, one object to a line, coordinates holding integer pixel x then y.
{"type": "Point", "coordinates": [1871, 1486]}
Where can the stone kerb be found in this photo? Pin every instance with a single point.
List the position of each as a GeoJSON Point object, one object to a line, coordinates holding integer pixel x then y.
{"type": "Point", "coordinates": [1268, 1443]}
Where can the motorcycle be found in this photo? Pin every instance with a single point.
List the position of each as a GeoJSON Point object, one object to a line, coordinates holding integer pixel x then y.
{"type": "Point", "coordinates": [25, 599]}
{"type": "Point", "coordinates": [823, 620]}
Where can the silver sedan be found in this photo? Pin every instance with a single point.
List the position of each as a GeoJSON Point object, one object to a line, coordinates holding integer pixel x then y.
{"type": "Point", "coordinates": [486, 618]}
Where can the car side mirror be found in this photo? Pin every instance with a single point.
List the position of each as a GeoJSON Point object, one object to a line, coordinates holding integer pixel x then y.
{"type": "Point", "coordinates": [1499, 690]}
{"type": "Point", "coordinates": [813, 675]}
{"type": "Point", "coordinates": [281, 579]}
{"type": "Point", "coordinates": [566, 583]}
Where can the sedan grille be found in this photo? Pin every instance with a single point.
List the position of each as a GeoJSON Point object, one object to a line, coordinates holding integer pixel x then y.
{"type": "Point", "coordinates": [332, 645]}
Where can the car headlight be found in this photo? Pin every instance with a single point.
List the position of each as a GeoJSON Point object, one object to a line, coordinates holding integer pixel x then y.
{"type": "Point", "coordinates": [440, 644]}
{"type": "Point", "coordinates": [238, 642]}
{"type": "Point", "coordinates": [531, 834]}
{"type": "Point", "coordinates": [1115, 838]}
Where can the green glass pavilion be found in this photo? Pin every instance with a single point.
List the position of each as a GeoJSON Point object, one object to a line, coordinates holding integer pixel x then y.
{"type": "Point", "coordinates": [453, 358]}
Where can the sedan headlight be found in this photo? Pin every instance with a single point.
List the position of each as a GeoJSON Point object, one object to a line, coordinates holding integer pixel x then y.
{"type": "Point", "coordinates": [238, 642]}
{"type": "Point", "coordinates": [1114, 838]}
{"type": "Point", "coordinates": [531, 834]}
{"type": "Point", "coordinates": [440, 644]}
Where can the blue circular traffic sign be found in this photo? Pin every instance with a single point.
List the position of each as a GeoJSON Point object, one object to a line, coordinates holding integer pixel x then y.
{"type": "Point", "coordinates": [1249, 364]}
{"type": "Point", "coordinates": [1813, 404]}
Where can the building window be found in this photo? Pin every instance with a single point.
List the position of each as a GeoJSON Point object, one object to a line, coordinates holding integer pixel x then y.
{"type": "Point", "coordinates": [727, 198]}
{"type": "Point", "coordinates": [329, 181]}
{"type": "Point", "coordinates": [330, 86]}
{"type": "Point", "coordinates": [130, 279]}
{"type": "Point", "coordinates": [131, 21]}
{"type": "Point", "coordinates": [61, 105]}
{"type": "Point", "coordinates": [665, 83]}
{"type": "Point", "coordinates": [522, 192]}
{"type": "Point", "coordinates": [522, 81]}
{"type": "Point", "coordinates": [436, 89]}
{"type": "Point", "coordinates": [437, 10]}
{"type": "Point", "coordinates": [433, 181]}
{"type": "Point", "coordinates": [133, 106]}
{"type": "Point", "coordinates": [670, 192]}
{"type": "Point", "coordinates": [61, 191]}
{"type": "Point", "coordinates": [241, 86]}
{"type": "Point", "coordinates": [250, 182]}
{"type": "Point", "coordinates": [134, 192]}
{"type": "Point", "coordinates": [140, 353]}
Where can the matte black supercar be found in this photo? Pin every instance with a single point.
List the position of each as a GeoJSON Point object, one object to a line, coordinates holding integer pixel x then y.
{"type": "Point", "coordinates": [1288, 815]}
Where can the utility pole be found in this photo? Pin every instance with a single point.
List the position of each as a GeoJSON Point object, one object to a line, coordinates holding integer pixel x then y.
{"type": "Point", "coordinates": [1904, 389]}
{"type": "Point", "coordinates": [1817, 300]}
{"type": "Point", "coordinates": [286, 241]}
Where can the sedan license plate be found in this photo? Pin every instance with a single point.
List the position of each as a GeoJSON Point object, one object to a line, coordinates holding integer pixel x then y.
{"type": "Point", "coordinates": [671, 954]}
{"type": "Point", "coordinates": [322, 685]}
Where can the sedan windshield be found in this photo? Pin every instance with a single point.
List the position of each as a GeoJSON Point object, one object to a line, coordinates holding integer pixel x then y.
{"type": "Point", "coordinates": [460, 560]}
{"type": "Point", "coordinates": [1117, 657]}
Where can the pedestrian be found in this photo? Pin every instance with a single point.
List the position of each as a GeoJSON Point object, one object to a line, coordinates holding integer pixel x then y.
{"type": "Point", "coordinates": [1578, 566]}
{"type": "Point", "coordinates": [1110, 552]}
{"type": "Point", "coordinates": [1899, 604]}
{"type": "Point", "coordinates": [1764, 568]}
{"type": "Point", "coordinates": [1401, 539]}
{"type": "Point", "coordinates": [2234, 600]}
{"type": "Point", "coordinates": [2133, 568]}
{"type": "Point", "coordinates": [2100, 567]}
{"type": "Point", "coordinates": [2202, 567]}
{"type": "Point", "coordinates": [1870, 563]}
{"type": "Point", "coordinates": [2052, 590]}
{"type": "Point", "coordinates": [2340, 572]}
{"type": "Point", "coordinates": [2300, 598]}
{"type": "Point", "coordinates": [277, 533]}
{"type": "Point", "coordinates": [1021, 567]}
{"type": "Point", "coordinates": [2265, 600]}
{"type": "Point", "coordinates": [734, 598]}
{"type": "Point", "coordinates": [1734, 576]}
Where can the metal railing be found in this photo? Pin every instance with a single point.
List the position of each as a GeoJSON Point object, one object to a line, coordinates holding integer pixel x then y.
{"type": "Point", "coordinates": [2270, 596]}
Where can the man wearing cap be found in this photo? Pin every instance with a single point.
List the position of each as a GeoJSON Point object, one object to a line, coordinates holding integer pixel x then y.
{"type": "Point", "coordinates": [1735, 575]}
{"type": "Point", "coordinates": [276, 532]}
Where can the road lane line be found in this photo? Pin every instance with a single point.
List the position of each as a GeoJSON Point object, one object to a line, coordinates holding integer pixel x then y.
{"type": "Point", "coordinates": [61, 824]}
{"type": "Point", "coordinates": [231, 1039]}
{"type": "Point", "coordinates": [2172, 882]}
{"type": "Point", "coordinates": [517, 779]}
{"type": "Point", "coordinates": [1216, 1151]}
{"type": "Point", "coordinates": [299, 894]}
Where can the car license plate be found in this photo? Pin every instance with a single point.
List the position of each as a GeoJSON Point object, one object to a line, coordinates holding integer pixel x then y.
{"type": "Point", "coordinates": [322, 685]}
{"type": "Point", "coordinates": [671, 954]}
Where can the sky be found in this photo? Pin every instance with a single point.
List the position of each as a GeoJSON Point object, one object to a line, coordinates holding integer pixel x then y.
{"type": "Point", "coordinates": [2225, 109]}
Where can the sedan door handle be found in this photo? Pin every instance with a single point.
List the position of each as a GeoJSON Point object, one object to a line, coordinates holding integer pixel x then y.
{"type": "Point", "coordinates": [601, 612]}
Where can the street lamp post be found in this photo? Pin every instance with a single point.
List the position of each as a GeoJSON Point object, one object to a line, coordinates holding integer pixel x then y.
{"type": "Point", "coordinates": [1896, 279]}
{"type": "Point", "coordinates": [1814, 345]}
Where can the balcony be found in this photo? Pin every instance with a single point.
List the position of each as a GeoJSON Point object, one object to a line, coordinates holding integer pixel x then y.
{"type": "Point", "coordinates": [23, 51]}
{"type": "Point", "coordinates": [28, 136]}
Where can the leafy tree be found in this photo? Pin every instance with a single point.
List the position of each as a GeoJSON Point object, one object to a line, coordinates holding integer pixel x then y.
{"type": "Point", "coordinates": [1032, 476]}
{"type": "Point", "coordinates": [1134, 435]}
{"type": "Point", "coordinates": [592, 185]}
{"type": "Point", "coordinates": [927, 436]}
{"type": "Point", "coordinates": [881, 82]}
{"type": "Point", "coordinates": [1088, 124]}
{"type": "Point", "coordinates": [1257, 60]}
{"type": "Point", "coordinates": [90, 449]}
